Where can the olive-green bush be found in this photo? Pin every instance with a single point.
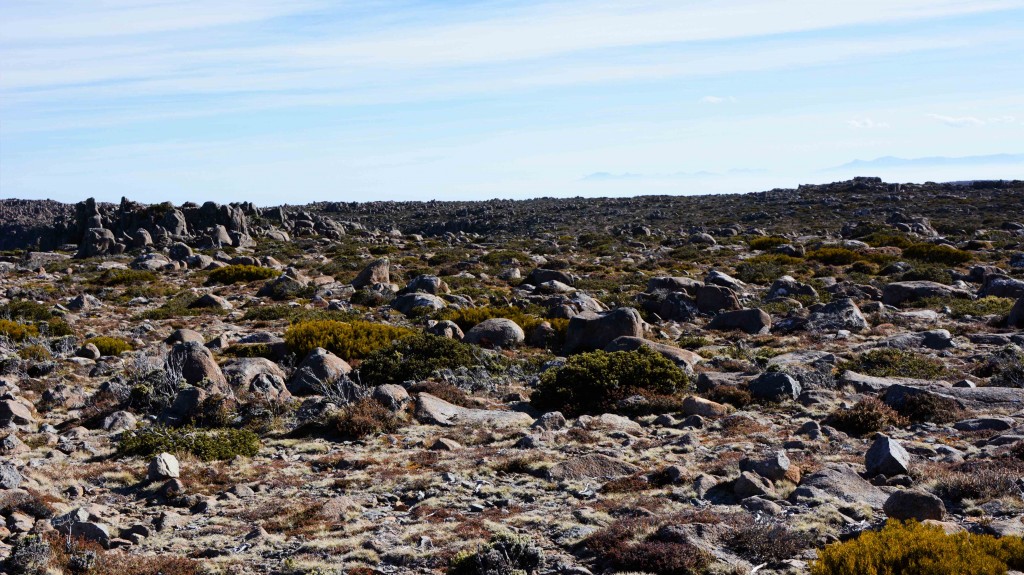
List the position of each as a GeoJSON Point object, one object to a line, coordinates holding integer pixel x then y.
{"type": "Point", "coordinates": [348, 340]}
{"type": "Point", "coordinates": [206, 444]}
{"type": "Point", "coordinates": [593, 383]}
{"type": "Point", "coordinates": [110, 345]}
{"type": "Point", "coordinates": [414, 358]}
{"type": "Point", "coordinates": [890, 362]}
{"type": "Point", "coordinates": [15, 331]}
{"type": "Point", "coordinates": [241, 274]}
{"type": "Point", "coordinates": [937, 254]}
{"type": "Point", "coordinates": [915, 549]}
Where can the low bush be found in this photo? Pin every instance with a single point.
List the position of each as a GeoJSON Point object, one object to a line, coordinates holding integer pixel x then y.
{"type": "Point", "coordinates": [766, 242]}
{"type": "Point", "coordinates": [414, 358]}
{"type": "Point", "coordinates": [978, 480]}
{"type": "Point", "coordinates": [1004, 368]}
{"type": "Point", "coordinates": [891, 362]}
{"type": "Point", "coordinates": [348, 340]}
{"type": "Point", "coordinates": [35, 353]}
{"type": "Point", "coordinates": [915, 549]}
{"type": "Point", "coordinates": [504, 553]}
{"type": "Point", "coordinates": [111, 278]}
{"type": "Point", "coordinates": [731, 395]}
{"type": "Point", "coordinates": [623, 546]}
{"type": "Point", "coordinates": [963, 307]}
{"type": "Point", "coordinates": [178, 306]}
{"type": "Point", "coordinates": [445, 391]}
{"type": "Point", "coordinates": [766, 268]}
{"type": "Point", "coordinates": [937, 254]}
{"type": "Point", "coordinates": [928, 272]}
{"type": "Point", "coordinates": [930, 408]}
{"type": "Point", "coordinates": [766, 543]}
{"type": "Point", "coordinates": [867, 416]}
{"type": "Point", "coordinates": [206, 444]}
{"type": "Point", "coordinates": [593, 383]}
{"type": "Point", "coordinates": [466, 318]}
{"type": "Point", "coordinates": [364, 418]}
{"type": "Point", "coordinates": [15, 331]}
{"type": "Point", "coordinates": [834, 256]}
{"type": "Point", "coordinates": [110, 345]}
{"type": "Point", "coordinates": [241, 274]}
{"type": "Point", "coordinates": [884, 238]}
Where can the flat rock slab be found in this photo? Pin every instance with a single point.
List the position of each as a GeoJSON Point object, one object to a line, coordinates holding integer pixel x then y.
{"type": "Point", "coordinates": [591, 466]}
{"type": "Point", "coordinates": [844, 483]}
{"type": "Point", "coordinates": [431, 409]}
{"type": "Point", "coordinates": [869, 383]}
{"type": "Point", "coordinates": [984, 399]}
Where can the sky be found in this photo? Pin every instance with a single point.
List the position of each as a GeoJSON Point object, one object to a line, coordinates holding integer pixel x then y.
{"type": "Point", "coordinates": [293, 101]}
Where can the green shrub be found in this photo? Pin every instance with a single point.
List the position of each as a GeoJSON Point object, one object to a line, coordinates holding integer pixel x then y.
{"type": "Point", "coordinates": [114, 277]}
{"type": "Point", "coordinates": [915, 549]}
{"type": "Point", "coordinates": [414, 358]}
{"type": "Point", "coordinates": [505, 553]}
{"type": "Point", "coordinates": [241, 274]}
{"type": "Point", "coordinates": [731, 395]}
{"type": "Point", "coordinates": [295, 314]}
{"type": "Point", "coordinates": [206, 444]}
{"type": "Point", "coordinates": [26, 310]}
{"type": "Point", "coordinates": [867, 416]}
{"type": "Point", "coordinates": [110, 345]}
{"type": "Point", "coordinates": [348, 340]}
{"type": "Point", "coordinates": [930, 408]}
{"type": "Point", "coordinates": [468, 317]}
{"type": "Point", "coordinates": [15, 331]}
{"type": "Point", "coordinates": [834, 256]}
{"type": "Point", "coordinates": [928, 272]}
{"type": "Point", "coordinates": [177, 306]}
{"type": "Point", "coordinates": [766, 268]}
{"type": "Point", "coordinates": [890, 362]}
{"type": "Point", "coordinates": [883, 238]}
{"type": "Point", "coordinates": [766, 242]}
{"type": "Point", "coordinates": [35, 353]}
{"type": "Point", "coordinates": [593, 383]}
{"type": "Point", "coordinates": [364, 418]}
{"type": "Point", "coordinates": [937, 254]}
{"type": "Point", "coordinates": [962, 307]}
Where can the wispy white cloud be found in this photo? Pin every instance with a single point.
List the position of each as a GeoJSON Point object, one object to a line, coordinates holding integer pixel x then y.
{"type": "Point", "coordinates": [971, 121]}
{"type": "Point", "coordinates": [866, 124]}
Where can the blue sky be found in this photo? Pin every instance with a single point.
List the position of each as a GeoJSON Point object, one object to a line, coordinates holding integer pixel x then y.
{"type": "Point", "coordinates": [290, 101]}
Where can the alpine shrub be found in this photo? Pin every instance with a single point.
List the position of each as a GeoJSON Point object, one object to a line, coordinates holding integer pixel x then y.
{"type": "Point", "coordinates": [915, 549]}
{"type": "Point", "coordinates": [241, 274]}
{"type": "Point", "coordinates": [593, 383]}
{"type": "Point", "coordinates": [110, 345]}
{"type": "Point", "coordinates": [206, 444]}
{"type": "Point", "coordinates": [414, 358]}
{"type": "Point", "coordinates": [348, 340]}
{"type": "Point", "coordinates": [937, 254]}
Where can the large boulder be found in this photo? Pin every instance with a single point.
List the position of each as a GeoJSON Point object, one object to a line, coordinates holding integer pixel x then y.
{"type": "Point", "coordinates": [410, 302]}
{"type": "Point", "coordinates": [540, 275]}
{"type": "Point", "coordinates": [898, 293]}
{"type": "Point", "coordinates": [752, 321]}
{"type": "Point", "coordinates": [97, 242]}
{"type": "Point", "coordinates": [446, 328]}
{"type": "Point", "coordinates": [496, 332]}
{"type": "Point", "coordinates": [378, 272]}
{"type": "Point", "coordinates": [13, 412]}
{"type": "Point", "coordinates": [836, 315]}
{"type": "Point", "coordinates": [590, 331]}
{"type": "Point", "coordinates": [426, 284]}
{"type": "Point", "coordinates": [887, 457]}
{"type": "Point", "coordinates": [163, 466]}
{"type": "Point", "coordinates": [839, 481]}
{"type": "Point", "coordinates": [317, 371]}
{"type": "Point", "coordinates": [431, 409]}
{"type": "Point", "coordinates": [674, 284]}
{"type": "Point", "coordinates": [775, 386]}
{"type": "Point", "coordinates": [714, 298]}
{"type": "Point", "coordinates": [1001, 286]}
{"type": "Point", "coordinates": [1016, 317]}
{"type": "Point", "coordinates": [787, 286]}
{"type": "Point", "coordinates": [195, 364]}
{"type": "Point", "coordinates": [915, 504]}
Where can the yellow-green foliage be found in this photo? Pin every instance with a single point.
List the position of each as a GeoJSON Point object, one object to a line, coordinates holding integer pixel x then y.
{"type": "Point", "coordinates": [766, 242]}
{"type": "Point", "coordinates": [35, 353]}
{"type": "Point", "coordinates": [890, 362]}
{"type": "Point", "coordinates": [110, 345]}
{"type": "Point", "coordinates": [206, 444]}
{"type": "Point", "coordinates": [915, 549]}
{"type": "Point", "coordinates": [239, 273]}
{"type": "Point", "coordinates": [469, 317]}
{"type": "Point", "coordinates": [938, 254]}
{"type": "Point", "coordinates": [835, 256]}
{"type": "Point", "coordinates": [885, 238]}
{"type": "Point", "coordinates": [17, 331]}
{"type": "Point", "coordinates": [347, 340]}
{"type": "Point", "coordinates": [125, 278]}
{"type": "Point", "coordinates": [960, 307]}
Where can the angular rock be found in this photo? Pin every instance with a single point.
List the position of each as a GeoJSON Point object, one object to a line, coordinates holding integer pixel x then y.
{"type": "Point", "coordinates": [751, 321]}
{"type": "Point", "coordinates": [836, 315]}
{"type": "Point", "coordinates": [590, 331]}
{"type": "Point", "coordinates": [775, 386]}
{"type": "Point", "coordinates": [163, 466]}
{"type": "Point", "coordinates": [887, 457]}
{"type": "Point", "coordinates": [318, 370]}
{"type": "Point", "coordinates": [195, 363]}
{"type": "Point", "coordinates": [430, 409]}
{"type": "Point", "coordinates": [378, 272]}
{"type": "Point", "coordinates": [898, 293]}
